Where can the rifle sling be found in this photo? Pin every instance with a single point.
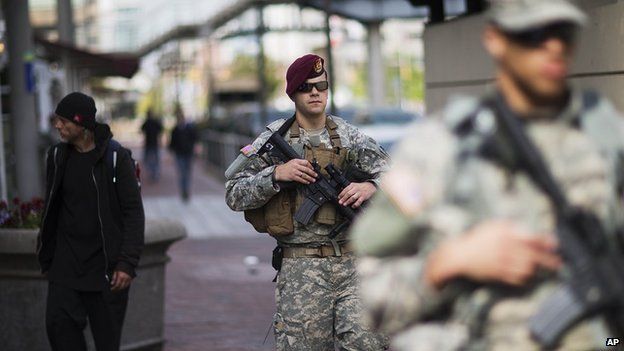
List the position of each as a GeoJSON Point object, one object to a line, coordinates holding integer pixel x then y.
{"type": "Point", "coordinates": [531, 162]}
{"type": "Point", "coordinates": [530, 157]}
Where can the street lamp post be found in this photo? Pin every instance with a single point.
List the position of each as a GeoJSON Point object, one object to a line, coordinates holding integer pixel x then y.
{"type": "Point", "coordinates": [262, 80]}
{"type": "Point", "coordinates": [3, 61]}
{"type": "Point", "coordinates": [24, 135]}
{"type": "Point", "coordinates": [330, 57]}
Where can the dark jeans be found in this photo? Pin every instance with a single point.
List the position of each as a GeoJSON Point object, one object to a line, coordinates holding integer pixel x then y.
{"type": "Point", "coordinates": [67, 312]}
{"type": "Point", "coordinates": [184, 163]}
{"type": "Point", "coordinates": [151, 157]}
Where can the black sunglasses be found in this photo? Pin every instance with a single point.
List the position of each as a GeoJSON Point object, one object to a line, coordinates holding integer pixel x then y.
{"type": "Point", "coordinates": [533, 38]}
{"type": "Point", "coordinates": [307, 87]}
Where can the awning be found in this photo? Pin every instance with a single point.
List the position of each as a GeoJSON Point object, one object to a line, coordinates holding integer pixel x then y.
{"type": "Point", "coordinates": [98, 65]}
{"type": "Point", "coordinates": [367, 11]}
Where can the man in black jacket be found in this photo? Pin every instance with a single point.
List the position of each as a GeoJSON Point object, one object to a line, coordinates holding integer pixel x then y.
{"type": "Point", "coordinates": [92, 229]}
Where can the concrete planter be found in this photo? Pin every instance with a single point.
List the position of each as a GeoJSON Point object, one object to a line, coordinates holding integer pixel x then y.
{"type": "Point", "coordinates": [23, 290]}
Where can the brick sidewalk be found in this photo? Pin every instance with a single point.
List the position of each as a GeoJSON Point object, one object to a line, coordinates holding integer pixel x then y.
{"type": "Point", "coordinates": [212, 301]}
{"type": "Point", "coordinates": [201, 182]}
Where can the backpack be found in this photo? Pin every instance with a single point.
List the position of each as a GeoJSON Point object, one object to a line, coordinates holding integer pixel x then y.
{"type": "Point", "coordinates": [111, 160]}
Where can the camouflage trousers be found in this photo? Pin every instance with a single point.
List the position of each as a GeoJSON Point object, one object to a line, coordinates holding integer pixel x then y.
{"type": "Point", "coordinates": [318, 307]}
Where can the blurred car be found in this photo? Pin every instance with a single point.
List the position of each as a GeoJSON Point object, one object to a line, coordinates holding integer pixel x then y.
{"type": "Point", "coordinates": [385, 125]}
{"type": "Point", "coordinates": [247, 120]}
{"type": "Point", "coordinates": [256, 124]}
{"type": "Point", "coordinates": [383, 116]}
{"type": "Point", "coordinates": [347, 113]}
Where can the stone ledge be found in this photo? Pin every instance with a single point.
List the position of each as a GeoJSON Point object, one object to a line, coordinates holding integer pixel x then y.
{"type": "Point", "coordinates": [18, 241]}
{"type": "Point", "coordinates": [24, 241]}
{"type": "Point", "coordinates": [24, 290]}
{"type": "Point", "coordinates": [158, 230]}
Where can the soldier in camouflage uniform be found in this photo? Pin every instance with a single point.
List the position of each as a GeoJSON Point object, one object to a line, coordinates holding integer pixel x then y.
{"type": "Point", "coordinates": [318, 307]}
{"type": "Point", "coordinates": [459, 252]}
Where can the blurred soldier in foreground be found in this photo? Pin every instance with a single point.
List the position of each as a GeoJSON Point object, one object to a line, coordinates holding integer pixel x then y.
{"type": "Point", "coordinates": [317, 304]}
{"type": "Point", "coordinates": [462, 245]}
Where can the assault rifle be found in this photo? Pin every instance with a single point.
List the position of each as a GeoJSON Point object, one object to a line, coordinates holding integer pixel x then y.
{"type": "Point", "coordinates": [595, 285]}
{"type": "Point", "coordinates": [323, 190]}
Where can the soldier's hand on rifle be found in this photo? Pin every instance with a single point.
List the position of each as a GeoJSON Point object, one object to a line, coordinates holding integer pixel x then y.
{"type": "Point", "coordinates": [295, 170]}
{"type": "Point", "coordinates": [496, 251]}
{"type": "Point", "coordinates": [356, 193]}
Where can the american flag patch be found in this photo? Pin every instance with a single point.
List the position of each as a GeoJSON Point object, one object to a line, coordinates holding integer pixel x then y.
{"type": "Point", "coordinates": [248, 150]}
{"type": "Point", "coordinates": [405, 190]}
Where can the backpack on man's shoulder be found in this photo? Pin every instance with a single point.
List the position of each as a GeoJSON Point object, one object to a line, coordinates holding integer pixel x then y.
{"type": "Point", "coordinates": [112, 151]}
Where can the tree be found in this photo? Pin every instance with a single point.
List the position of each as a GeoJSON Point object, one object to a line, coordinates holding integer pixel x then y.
{"type": "Point", "coordinates": [405, 77]}
{"type": "Point", "coordinates": [403, 70]}
{"type": "Point", "coordinates": [246, 66]}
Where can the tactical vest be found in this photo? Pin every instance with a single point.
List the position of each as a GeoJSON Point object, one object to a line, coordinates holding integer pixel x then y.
{"type": "Point", "coordinates": [276, 216]}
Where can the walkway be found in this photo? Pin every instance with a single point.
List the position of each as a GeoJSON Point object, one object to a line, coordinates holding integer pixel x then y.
{"type": "Point", "coordinates": [214, 302]}
{"type": "Point", "coordinates": [205, 216]}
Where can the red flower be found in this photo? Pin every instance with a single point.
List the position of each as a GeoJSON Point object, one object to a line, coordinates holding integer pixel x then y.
{"type": "Point", "coordinates": [21, 214]}
{"type": "Point", "coordinates": [36, 203]}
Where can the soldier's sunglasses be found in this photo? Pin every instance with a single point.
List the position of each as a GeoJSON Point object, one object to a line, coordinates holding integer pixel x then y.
{"type": "Point", "coordinates": [566, 32]}
{"type": "Point", "coordinates": [307, 87]}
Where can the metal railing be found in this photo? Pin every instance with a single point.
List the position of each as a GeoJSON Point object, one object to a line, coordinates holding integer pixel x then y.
{"type": "Point", "coordinates": [220, 149]}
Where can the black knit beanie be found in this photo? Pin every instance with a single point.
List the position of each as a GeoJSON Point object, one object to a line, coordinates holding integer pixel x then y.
{"type": "Point", "coordinates": [78, 108]}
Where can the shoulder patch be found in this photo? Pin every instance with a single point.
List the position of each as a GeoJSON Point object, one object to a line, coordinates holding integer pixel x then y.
{"type": "Point", "coordinates": [405, 191]}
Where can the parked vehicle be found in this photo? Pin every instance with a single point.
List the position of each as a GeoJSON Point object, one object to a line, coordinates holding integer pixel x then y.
{"type": "Point", "coordinates": [246, 120]}
{"type": "Point", "coordinates": [385, 125]}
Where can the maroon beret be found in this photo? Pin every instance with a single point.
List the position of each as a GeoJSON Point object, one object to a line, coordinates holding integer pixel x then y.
{"type": "Point", "coordinates": [304, 68]}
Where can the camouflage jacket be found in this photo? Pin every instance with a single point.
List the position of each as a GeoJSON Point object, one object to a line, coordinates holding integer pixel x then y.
{"type": "Point", "coordinates": [437, 189]}
{"type": "Point", "coordinates": [252, 187]}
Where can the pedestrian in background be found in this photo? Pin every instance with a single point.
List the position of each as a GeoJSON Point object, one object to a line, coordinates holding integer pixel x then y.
{"type": "Point", "coordinates": [183, 139]}
{"type": "Point", "coordinates": [461, 247]}
{"type": "Point", "coordinates": [151, 129]}
{"type": "Point", "coordinates": [92, 229]}
{"type": "Point", "coordinates": [318, 306]}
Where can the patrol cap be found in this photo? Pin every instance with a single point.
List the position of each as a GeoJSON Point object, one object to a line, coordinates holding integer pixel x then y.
{"type": "Point", "coordinates": [304, 68]}
{"type": "Point", "coordinates": [521, 15]}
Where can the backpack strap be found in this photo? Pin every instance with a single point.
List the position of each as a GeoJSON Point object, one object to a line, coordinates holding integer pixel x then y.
{"type": "Point", "coordinates": [112, 154]}
{"type": "Point", "coordinates": [294, 130]}
{"type": "Point", "coordinates": [332, 127]}
{"type": "Point", "coordinates": [286, 126]}
{"type": "Point", "coordinates": [112, 151]}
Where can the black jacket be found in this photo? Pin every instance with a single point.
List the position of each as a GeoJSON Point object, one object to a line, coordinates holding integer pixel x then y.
{"type": "Point", "coordinates": [120, 208]}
